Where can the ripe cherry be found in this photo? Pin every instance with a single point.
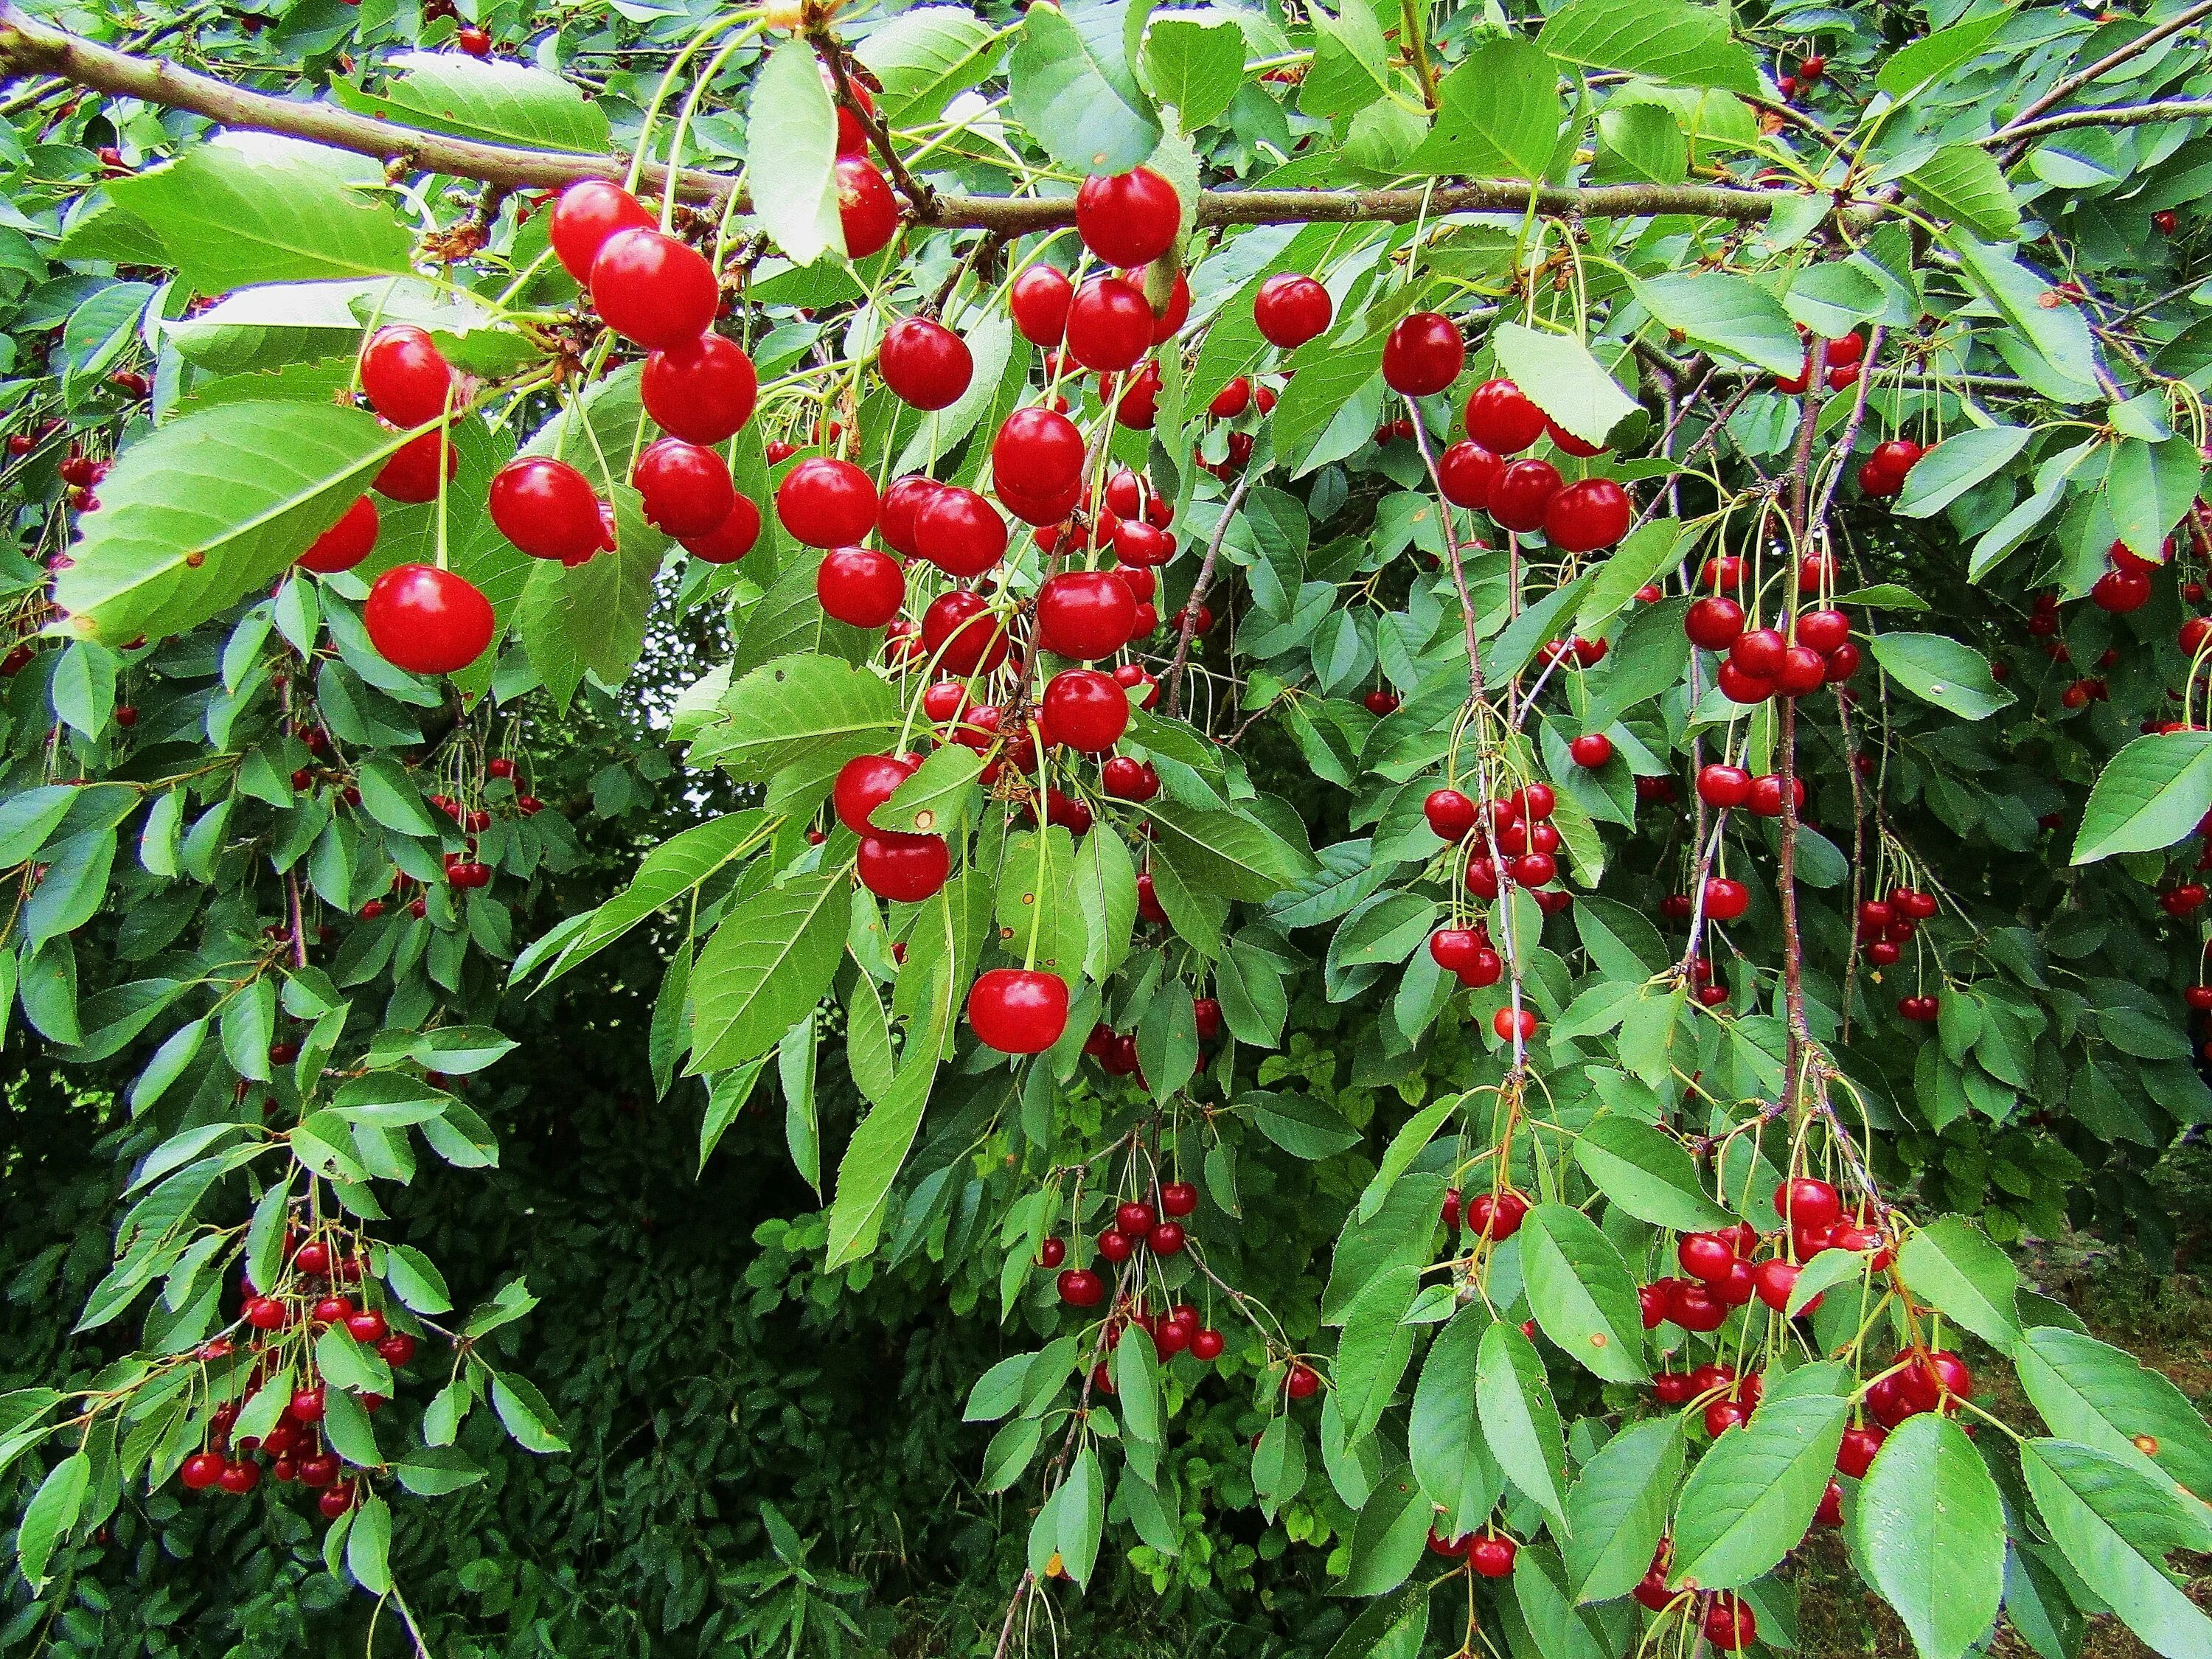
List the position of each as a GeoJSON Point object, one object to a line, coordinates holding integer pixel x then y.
{"type": "Point", "coordinates": [1855, 1457]}
{"type": "Point", "coordinates": [1178, 1199]}
{"type": "Point", "coordinates": [1523, 493]}
{"type": "Point", "coordinates": [958, 531]}
{"type": "Point", "coordinates": [865, 782]}
{"type": "Point", "coordinates": [587, 214]}
{"type": "Point", "coordinates": [200, 1471]}
{"type": "Point", "coordinates": [1081, 1288]}
{"type": "Point", "coordinates": [1128, 218]}
{"type": "Point", "coordinates": [959, 632]}
{"type": "Point", "coordinates": [1502, 419]}
{"type": "Point", "coordinates": [405, 376]}
{"type": "Point", "coordinates": [1085, 614]}
{"type": "Point", "coordinates": [1039, 300]}
{"type": "Point", "coordinates": [859, 585]}
{"type": "Point", "coordinates": [1729, 1623]}
{"type": "Point", "coordinates": [1084, 710]}
{"type": "Point", "coordinates": [1018, 1011]}
{"type": "Point", "coordinates": [1039, 451]}
{"type": "Point", "coordinates": [426, 620]}
{"type": "Point", "coordinates": [1823, 630]}
{"type": "Point", "coordinates": [1586, 516]}
{"type": "Point", "coordinates": [1127, 778]}
{"type": "Point", "coordinates": [1498, 1217]}
{"type": "Point", "coordinates": [411, 473]}
{"type": "Point", "coordinates": [1423, 354]}
{"type": "Point", "coordinates": [1466, 473]}
{"type": "Point", "coordinates": [1292, 309]}
{"type": "Point", "coordinates": [1807, 1201]}
{"type": "Point", "coordinates": [905, 869]}
{"type": "Point", "coordinates": [1714, 622]}
{"type": "Point", "coordinates": [1052, 1253]}
{"type": "Point", "coordinates": [239, 1478]}
{"type": "Point", "coordinates": [730, 540]}
{"type": "Point", "coordinates": [1165, 1238]}
{"type": "Point", "coordinates": [1207, 1345]}
{"type": "Point", "coordinates": [1504, 1024]}
{"type": "Point", "coordinates": [867, 212]}
{"type": "Point", "coordinates": [702, 390]}
{"type": "Point", "coordinates": [1722, 786]}
{"type": "Point", "coordinates": [1303, 1383]}
{"type": "Point", "coordinates": [345, 544]}
{"type": "Point", "coordinates": [548, 509]}
{"type": "Point", "coordinates": [1726, 898]}
{"type": "Point", "coordinates": [1492, 1554]}
{"type": "Point", "coordinates": [924, 363]}
{"type": "Point", "coordinates": [653, 290]}
{"type": "Point", "coordinates": [1592, 749]}
{"type": "Point", "coordinates": [826, 502]}
{"type": "Point", "coordinates": [1110, 325]}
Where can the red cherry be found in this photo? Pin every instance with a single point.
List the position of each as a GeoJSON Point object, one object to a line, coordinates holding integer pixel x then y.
{"type": "Point", "coordinates": [1085, 614]}
{"type": "Point", "coordinates": [958, 631]}
{"type": "Point", "coordinates": [1726, 898]}
{"type": "Point", "coordinates": [1722, 786]}
{"type": "Point", "coordinates": [865, 782]}
{"type": "Point", "coordinates": [1166, 1238]}
{"type": "Point", "coordinates": [1729, 1622]}
{"type": "Point", "coordinates": [1450, 814]}
{"type": "Point", "coordinates": [1587, 516]}
{"type": "Point", "coordinates": [1378, 701]}
{"type": "Point", "coordinates": [653, 290]}
{"type": "Point", "coordinates": [397, 1349]}
{"type": "Point", "coordinates": [1807, 1201]}
{"type": "Point", "coordinates": [306, 1404]}
{"type": "Point", "coordinates": [1502, 419]}
{"type": "Point", "coordinates": [1231, 400]}
{"type": "Point", "coordinates": [1292, 309]}
{"type": "Point", "coordinates": [1466, 473]}
{"type": "Point", "coordinates": [200, 1471]}
{"type": "Point", "coordinates": [1084, 710]}
{"type": "Point", "coordinates": [1714, 622]}
{"type": "Point", "coordinates": [1040, 298]}
{"type": "Point", "coordinates": [906, 869]}
{"type": "Point", "coordinates": [1110, 325]}
{"type": "Point", "coordinates": [405, 376]}
{"type": "Point", "coordinates": [867, 212]}
{"type": "Point", "coordinates": [587, 214]}
{"type": "Point", "coordinates": [1503, 1023]}
{"type": "Point", "coordinates": [1424, 354]}
{"type": "Point", "coordinates": [1522, 493]}
{"type": "Point", "coordinates": [1492, 1554]}
{"type": "Point", "coordinates": [901, 510]}
{"type": "Point", "coordinates": [367, 1326]}
{"type": "Point", "coordinates": [1018, 1011]}
{"type": "Point", "coordinates": [924, 363]}
{"type": "Point", "coordinates": [1134, 1218]}
{"type": "Point", "coordinates": [345, 544]}
{"type": "Point", "coordinates": [1207, 1345]}
{"type": "Point", "coordinates": [1569, 443]}
{"type": "Point", "coordinates": [1303, 1383]}
{"type": "Point", "coordinates": [1707, 1257]}
{"type": "Point", "coordinates": [1773, 1281]}
{"type": "Point", "coordinates": [1040, 452]}
{"type": "Point", "coordinates": [239, 1478]}
{"type": "Point", "coordinates": [1695, 1308]}
{"type": "Point", "coordinates": [2120, 591]}
{"type": "Point", "coordinates": [1081, 1288]}
{"type": "Point", "coordinates": [1591, 749]}
{"type": "Point", "coordinates": [703, 391]}
{"type": "Point", "coordinates": [1052, 1253]}
{"type": "Point", "coordinates": [1128, 218]}
{"type": "Point", "coordinates": [1168, 323]}
{"type": "Point", "coordinates": [411, 473]}
{"type": "Point", "coordinates": [1498, 1217]}
{"type": "Point", "coordinates": [731, 539]}
{"type": "Point", "coordinates": [859, 585]}
{"type": "Point", "coordinates": [548, 509]}
{"type": "Point", "coordinates": [1802, 670]}
{"type": "Point", "coordinates": [959, 531]}
{"type": "Point", "coordinates": [1178, 1199]}
{"type": "Point", "coordinates": [826, 502]}
{"type": "Point", "coordinates": [1855, 1457]}
{"type": "Point", "coordinates": [426, 620]}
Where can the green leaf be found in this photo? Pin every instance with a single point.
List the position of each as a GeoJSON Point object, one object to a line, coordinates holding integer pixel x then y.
{"type": "Point", "coordinates": [2148, 488]}
{"type": "Point", "coordinates": [924, 58]}
{"type": "Point", "coordinates": [434, 1471]}
{"type": "Point", "coordinates": [1752, 1496]}
{"type": "Point", "coordinates": [1648, 1173]}
{"type": "Point", "coordinates": [2112, 1523]}
{"type": "Point", "coordinates": [796, 708]}
{"type": "Point", "coordinates": [532, 1423]}
{"type": "Point", "coordinates": [934, 799]}
{"type": "Point", "coordinates": [1519, 1419]}
{"type": "Point", "coordinates": [1405, 1146]}
{"type": "Point", "coordinates": [1639, 144]}
{"type": "Point", "coordinates": [2059, 332]}
{"type": "Point", "coordinates": [1905, 71]}
{"type": "Point", "coordinates": [1617, 1509]}
{"type": "Point", "coordinates": [1582, 1292]}
{"type": "Point", "coordinates": [1068, 82]}
{"type": "Point", "coordinates": [769, 962]}
{"type": "Point", "coordinates": [679, 866]}
{"type": "Point", "coordinates": [1195, 66]}
{"type": "Point", "coordinates": [50, 1516]}
{"type": "Point", "coordinates": [1349, 70]}
{"type": "Point", "coordinates": [1387, 1539]}
{"type": "Point", "coordinates": [211, 506]}
{"type": "Point", "coordinates": [1956, 466]}
{"type": "Point", "coordinates": [1724, 313]}
{"type": "Point", "coordinates": [1236, 855]}
{"type": "Point", "coordinates": [1938, 669]}
{"type": "Point", "coordinates": [879, 1147]}
{"type": "Point", "coordinates": [1963, 182]}
{"type": "Point", "coordinates": [2090, 1392]}
{"type": "Point", "coordinates": [491, 99]}
{"type": "Point", "coordinates": [1951, 1265]}
{"type": "Point", "coordinates": [1929, 1528]}
{"type": "Point", "coordinates": [1498, 116]}
{"type": "Point", "coordinates": [1449, 1457]}
{"type": "Point", "coordinates": [251, 207]}
{"type": "Point", "coordinates": [1670, 41]}
{"type": "Point", "coordinates": [791, 134]}
{"type": "Point", "coordinates": [392, 798]}
{"type": "Point", "coordinates": [2148, 796]}
{"type": "Point", "coordinates": [1562, 379]}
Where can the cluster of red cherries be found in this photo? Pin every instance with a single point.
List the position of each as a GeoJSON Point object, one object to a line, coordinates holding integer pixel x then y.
{"type": "Point", "coordinates": [1489, 1553]}
{"type": "Point", "coordinates": [1766, 663]}
{"type": "Point", "coordinates": [1525, 497]}
{"type": "Point", "coordinates": [1719, 1273]}
{"type": "Point", "coordinates": [308, 1303]}
{"type": "Point", "coordinates": [1136, 1226]}
{"type": "Point", "coordinates": [1528, 849]}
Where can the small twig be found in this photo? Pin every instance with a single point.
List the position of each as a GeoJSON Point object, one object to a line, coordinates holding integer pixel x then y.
{"type": "Point", "coordinates": [1198, 591]}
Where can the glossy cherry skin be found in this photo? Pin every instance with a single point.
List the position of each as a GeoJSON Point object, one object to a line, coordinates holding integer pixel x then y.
{"type": "Point", "coordinates": [901, 507]}
{"type": "Point", "coordinates": [1589, 515]}
{"type": "Point", "coordinates": [1591, 749]}
{"type": "Point", "coordinates": [824, 502]}
{"type": "Point", "coordinates": [1808, 1201]}
{"type": "Point", "coordinates": [859, 585]}
{"type": "Point", "coordinates": [1722, 786]}
{"type": "Point", "coordinates": [1110, 325]}
{"type": "Point", "coordinates": [961, 636]}
{"type": "Point", "coordinates": [1127, 778]}
{"type": "Point", "coordinates": [1085, 614]}
{"type": "Point", "coordinates": [1502, 419]}
{"type": "Point", "coordinates": [1714, 622]}
{"type": "Point", "coordinates": [867, 212]}
{"type": "Point", "coordinates": [1450, 814]}
{"type": "Point", "coordinates": [730, 540]}
{"type": "Point", "coordinates": [905, 869]}
{"type": "Point", "coordinates": [1018, 1011]}
{"type": "Point", "coordinates": [1729, 1623]}
{"type": "Point", "coordinates": [1038, 451]}
{"type": "Point", "coordinates": [1303, 1383]}
{"type": "Point", "coordinates": [1423, 354]}
{"type": "Point", "coordinates": [654, 290]}
{"type": "Point", "coordinates": [411, 474]}
{"type": "Point", "coordinates": [426, 620]}
{"type": "Point", "coordinates": [345, 544]}
{"type": "Point", "coordinates": [1292, 309]}
{"type": "Point", "coordinates": [924, 363]}
{"type": "Point", "coordinates": [1178, 1199]}
{"type": "Point", "coordinates": [1081, 1288]}
{"type": "Point", "coordinates": [587, 214]}
{"type": "Point", "coordinates": [1466, 473]}
{"type": "Point", "coordinates": [1522, 493]}
{"type": "Point", "coordinates": [405, 376]}
{"type": "Point", "coordinates": [1726, 898]}
{"type": "Point", "coordinates": [959, 532]}
{"type": "Point", "coordinates": [703, 391]}
{"type": "Point", "coordinates": [1855, 1456]}
{"type": "Point", "coordinates": [1491, 1555]}
{"type": "Point", "coordinates": [1039, 300]}
{"type": "Point", "coordinates": [548, 509]}
{"type": "Point", "coordinates": [686, 486]}
{"type": "Point", "coordinates": [1823, 630]}
{"type": "Point", "coordinates": [1084, 710]}
{"type": "Point", "coordinates": [1128, 218]}
{"type": "Point", "coordinates": [865, 782]}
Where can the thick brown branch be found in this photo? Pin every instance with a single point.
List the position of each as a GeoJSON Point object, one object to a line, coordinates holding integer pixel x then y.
{"type": "Point", "coordinates": [30, 47]}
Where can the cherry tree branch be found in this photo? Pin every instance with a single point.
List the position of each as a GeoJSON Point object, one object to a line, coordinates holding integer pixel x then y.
{"type": "Point", "coordinates": [2010, 134]}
